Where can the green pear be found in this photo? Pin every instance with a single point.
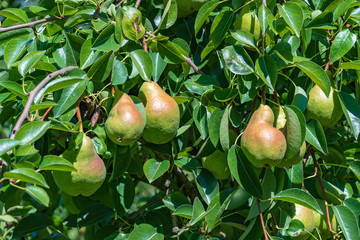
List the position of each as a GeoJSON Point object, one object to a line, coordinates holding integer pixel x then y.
{"type": "Point", "coordinates": [239, 198]}
{"type": "Point", "coordinates": [216, 163]}
{"type": "Point", "coordinates": [327, 110]}
{"type": "Point", "coordinates": [321, 221]}
{"type": "Point", "coordinates": [263, 144]}
{"type": "Point", "coordinates": [90, 172]}
{"type": "Point", "coordinates": [162, 114]}
{"type": "Point", "coordinates": [306, 217]}
{"type": "Point", "coordinates": [125, 123]}
{"type": "Point", "coordinates": [248, 22]}
{"type": "Point", "coordinates": [187, 7]}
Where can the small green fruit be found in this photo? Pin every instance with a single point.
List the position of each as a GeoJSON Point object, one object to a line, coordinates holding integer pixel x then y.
{"type": "Point", "coordinates": [307, 218]}
{"type": "Point", "coordinates": [327, 110]}
{"type": "Point", "coordinates": [248, 22]}
{"type": "Point", "coordinates": [216, 163]}
{"type": "Point", "coordinates": [321, 222]}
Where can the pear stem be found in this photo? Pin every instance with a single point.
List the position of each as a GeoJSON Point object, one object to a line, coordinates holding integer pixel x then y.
{"type": "Point", "coordinates": [263, 95]}
{"type": "Point", "coordinates": [323, 192]}
{"type": "Point", "coordinates": [46, 113]}
{"type": "Point", "coordinates": [253, 105]}
{"type": "Point", "coordinates": [118, 5]}
{"type": "Point", "coordinates": [262, 219]}
{"type": "Point", "coordinates": [276, 99]}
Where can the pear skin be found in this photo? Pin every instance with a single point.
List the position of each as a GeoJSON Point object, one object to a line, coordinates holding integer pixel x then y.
{"type": "Point", "coordinates": [294, 160]}
{"type": "Point", "coordinates": [327, 110]}
{"type": "Point", "coordinates": [125, 123]}
{"type": "Point", "coordinates": [91, 171]}
{"type": "Point", "coordinates": [263, 144]}
{"type": "Point", "coordinates": [162, 114]}
{"type": "Point", "coordinates": [306, 216]}
{"type": "Point", "coordinates": [248, 23]}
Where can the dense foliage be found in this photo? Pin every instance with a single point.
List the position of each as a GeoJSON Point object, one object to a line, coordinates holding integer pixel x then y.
{"type": "Point", "coordinates": [257, 129]}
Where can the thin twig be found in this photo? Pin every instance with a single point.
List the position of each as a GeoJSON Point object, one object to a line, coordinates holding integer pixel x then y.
{"type": "Point", "coordinates": [95, 116]}
{"type": "Point", "coordinates": [3, 170]}
{"type": "Point", "coordinates": [46, 113]}
{"type": "Point", "coordinates": [253, 105]}
{"type": "Point", "coordinates": [262, 220]}
{"type": "Point", "coordinates": [78, 113]}
{"type": "Point", "coordinates": [98, 7]}
{"type": "Point", "coordinates": [264, 2]}
{"type": "Point", "coordinates": [137, 4]}
{"type": "Point", "coordinates": [323, 191]}
{"type": "Point", "coordinates": [276, 99]}
{"type": "Point", "coordinates": [143, 40]}
{"type": "Point", "coordinates": [32, 24]}
{"type": "Point", "coordinates": [32, 95]}
{"type": "Point", "coordinates": [118, 5]}
{"type": "Point", "coordinates": [192, 64]}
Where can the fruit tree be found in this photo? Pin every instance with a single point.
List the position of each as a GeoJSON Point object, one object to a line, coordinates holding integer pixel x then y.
{"type": "Point", "coordinates": [180, 119]}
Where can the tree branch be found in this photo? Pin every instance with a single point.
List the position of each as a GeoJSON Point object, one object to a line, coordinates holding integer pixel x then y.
{"type": "Point", "coordinates": [192, 64]}
{"type": "Point", "coordinates": [137, 4]}
{"type": "Point", "coordinates": [32, 94]}
{"type": "Point", "coordinates": [32, 24]}
{"type": "Point", "coordinates": [323, 191]}
{"type": "Point", "coordinates": [262, 220]}
{"type": "Point", "coordinates": [46, 113]}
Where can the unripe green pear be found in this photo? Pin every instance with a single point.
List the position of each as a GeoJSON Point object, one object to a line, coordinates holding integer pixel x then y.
{"type": "Point", "coordinates": [239, 198]}
{"type": "Point", "coordinates": [263, 144]}
{"type": "Point", "coordinates": [162, 114]}
{"type": "Point", "coordinates": [248, 22]}
{"type": "Point", "coordinates": [327, 110]}
{"type": "Point", "coordinates": [321, 222]}
{"type": "Point", "coordinates": [216, 163]}
{"type": "Point", "coordinates": [306, 217]}
{"type": "Point", "coordinates": [125, 123]}
{"type": "Point", "coordinates": [90, 174]}
{"type": "Point", "coordinates": [187, 7]}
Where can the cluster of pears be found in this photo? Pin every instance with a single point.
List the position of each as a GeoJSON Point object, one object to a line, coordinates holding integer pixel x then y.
{"type": "Point", "coordinates": [90, 171]}
{"type": "Point", "coordinates": [125, 124]}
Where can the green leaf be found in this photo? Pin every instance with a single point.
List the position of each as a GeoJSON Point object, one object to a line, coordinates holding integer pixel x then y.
{"type": "Point", "coordinates": [26, 175]}
{"type": "Point", "coordinates": [32, 131]}
{"type": "Point", "coordinates": [266, 67]}
{"type": "Point", "coordinates": [201, 121]}
{"type": "Point", "coordinates": [244, 172]}
{"type": "Point", "coordinates": [87, 56]}
{"type": "Point", "coordinates": [106, 41]}
{"type": "Point", "coordinates": [204, 13]}
{"type": "Point", "coordinates": [214, 123]}
{"type": "Point", "coordinates": [52, 162]}
{"type": "Point", "coordinates": [175, 200]}
{"type": "Point", "coordinates": [198, 212]}
{"type": "Point", "coordinates": [143, 63]}
{"type": "Point", "coordinates": [342, 44]}
{"type": "Point", "coordinates": [351, 110]}
{"type": "Point", "coordinates": [355, 168]}
{"type": "Point", "coordinates": [184, 211]}
{"type": "Point", "coordinates": [121, 161]}
{"type": "Point", "coordinates": [237, 60]}
{"type": "Point", "coordinates": [300, 98]}
{"type": "Point", "coordinates": [7, 144]}
{"type": "Point", "coordinates": [64, 55]}
{"type": "Point", "coordinates": [299, 196]}
{"type": "Point", "coordinates": [206, 184]}
{"type": "Point", "coordinates": [263, 14]}
{"type": "Point", "coordinates": [317, 74]}
{"type": "Point", "coordinates": [245, 38]}
{"type": "Point", "coordinates": [295, 130]}
{"type": "Point", "coordinates": [15, 14]}
{"type": "Point", "coordinates": [132, 26]}
{"type": "Point", "coordinates": [145, 232]}
{"type": "Point", "coordinates": [159, 66]}
{"type": "Point", "coordinates": [13, 50]}
{"type": "Point", "coordinates": [224, 131]}
{"type": "Point", "coordinates": [347, 221]}
{"type": "Point", "coordinates": [169, 52]}
{"type": "Point", "coordinates": [68, 97]}
{"type": "Point", "coordinates": [13, 87]}
{"type": "Point", "coordinates": [342, 8]}
{"type": "Point", "coordinates": [101, 69]}
{"type": "Point", "coordinates": [93, 214]}
{"type": "Point", "coordinates": [154, 169]}
{"type": "Point", "coordinates": [293, 16]}
{"type": "Point", "coordinates": [169, 15]}
{"type": "Point", "coordinates": [315, 136]}
{"type": "Point", "coordinates": [119, 73]}
{"type": "Point", "coordinates": [29, 61]}
{"type": "Point", "coordinates": [351, 65]}
{"type": "Point", "coordinates": [39, 194]}
{"type": "Point", "coordinates": [220, 26]}
{"type": "Point", "coordinates": [31, 223]}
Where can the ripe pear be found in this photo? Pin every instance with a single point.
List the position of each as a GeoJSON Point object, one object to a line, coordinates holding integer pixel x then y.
{"type": "Point", "coordinates": [187, 7]}
{"type": "Point", "coordinates": [327, 110]}
{"type": "Point", "coordinates": [216, 163]}
{"type": "Point", "coordinates": [125, 123]}
{"type": "Point", "coordinates": [263, 144]}
{"type": "Point", "coordinates": [162, 114]}
{"type": "Point", "coordinates": [306, 217]}
{"type": "Point", "coordinates": [248, 22]}
{"type": "Point", "coordinates": [90, 174]}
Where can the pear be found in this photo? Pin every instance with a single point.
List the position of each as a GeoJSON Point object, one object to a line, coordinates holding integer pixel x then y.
{"type": "Point", "coordinates": [327, 110]}
{"type": "Point", "coordinates": [187, 7]}
{"type": "Point", "coordinates": [90, 174]}
{"type": "Point", "coordinates": [295, 159]}
{"type": "Point", "coordinates": [162, 114]}
{"type": "Point", "coordinates": [125, 123]}
{"type": "Point", "coordinates": [216, 163]}
{"type": "Point", "coordinates": [249, 23]}
{"type": "Point", "coordinates": [321, 221]}
{"type": "Point", "coordinates": [306, 217]}
{"type": "Point", "coordinates": [263, 144]}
